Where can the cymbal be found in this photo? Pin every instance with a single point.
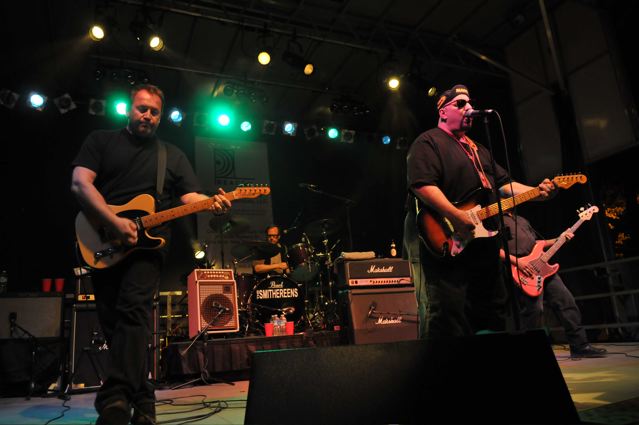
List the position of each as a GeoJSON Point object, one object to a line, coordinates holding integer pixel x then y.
{"type": "Point", "coordinates": [317, 229]}
{"type": "Point", "coordinates": [254, 250]}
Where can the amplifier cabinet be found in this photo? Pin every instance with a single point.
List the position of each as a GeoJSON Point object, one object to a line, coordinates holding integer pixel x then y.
{"type": "Point", "coordinates": [380, 314]}
{"type": "Point", "coordinates": [212, 301]}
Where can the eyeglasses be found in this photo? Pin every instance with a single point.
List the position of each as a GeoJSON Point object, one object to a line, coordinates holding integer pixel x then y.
{"type": "Point", "coordinates": [272, 236]}
{"type": "Point", "coordinates": [459, 103]}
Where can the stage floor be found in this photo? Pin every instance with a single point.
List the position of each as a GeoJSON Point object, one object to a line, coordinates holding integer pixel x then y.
{"type": "Point", "coordinates": [604, 390]}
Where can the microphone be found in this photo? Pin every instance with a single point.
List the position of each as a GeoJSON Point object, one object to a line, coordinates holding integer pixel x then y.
{"type": "Point", "coordinates": [290, 229]}
{"type": "Point", "coordinates": [478, 112]}
{"type": "Point", "coordinates": [307, 186]}
{"type": "Point", "coordinates": [220, 307]}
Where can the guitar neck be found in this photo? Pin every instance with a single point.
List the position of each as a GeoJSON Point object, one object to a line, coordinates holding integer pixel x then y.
{"type": "Point", "coordinates": [154, 220]}
{"type": "Point", "coordinates": [507, 204]}
{"type": "Point", "coordinates": [560, 242]}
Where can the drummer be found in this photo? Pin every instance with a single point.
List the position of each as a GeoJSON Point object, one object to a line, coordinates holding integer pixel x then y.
{"type": "Point", "coordinates": [276, 264]}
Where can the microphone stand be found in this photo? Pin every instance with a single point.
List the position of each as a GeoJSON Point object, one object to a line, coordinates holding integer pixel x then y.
{"type": "Point", "coordinates": [204, 373]}
{"type": "Point", "coordinates": [348, 203]}
{"type": "Point", "coordinates": [507, 272]}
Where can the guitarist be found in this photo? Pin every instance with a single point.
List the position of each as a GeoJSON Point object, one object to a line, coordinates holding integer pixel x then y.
{"type": "Point", "coordinates": [112, 167]}
{"type": "Point", "coordinates": [555, 293]}
{"type": "Point", "coordinates": [464, 294]}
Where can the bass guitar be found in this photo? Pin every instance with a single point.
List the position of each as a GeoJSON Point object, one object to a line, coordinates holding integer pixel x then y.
{"type": "Point", "coordinates": [538, 259]}
{"type": "Point", "coordinates": [439, 235]}
{"type": "Point", "coordinates": [100, 250]}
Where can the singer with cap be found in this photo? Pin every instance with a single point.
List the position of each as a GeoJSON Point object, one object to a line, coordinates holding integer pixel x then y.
{"type": "Point", "coordinates": [465, 293]}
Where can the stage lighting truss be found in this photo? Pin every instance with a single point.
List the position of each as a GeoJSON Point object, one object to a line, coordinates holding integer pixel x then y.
{"type": "Point", "coordinates": [64, 103]}
{"type": "Point", "coordinates": [8, 98]}
{"type": "Point", "coordinates": [348, 106]}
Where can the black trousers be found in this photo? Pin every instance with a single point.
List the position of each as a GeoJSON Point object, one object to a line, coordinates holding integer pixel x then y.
{"type": "Point", "coordinates": [561, 301]}
{"type": "Point", "coordinates": [124, 298]}
{"type": "Point", "coordinates": [466, 294]}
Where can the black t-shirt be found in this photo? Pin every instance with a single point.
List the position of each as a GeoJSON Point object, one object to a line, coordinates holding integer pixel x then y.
{"type": "Point", "coordinates": [523, 236]}
{"type": "Point", "coordinates": [126, 166]}
{"type": "Point", "coordinates": [436, 159]}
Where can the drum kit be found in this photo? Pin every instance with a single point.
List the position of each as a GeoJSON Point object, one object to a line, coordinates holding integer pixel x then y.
{"type": "Point", "coordinates": [304, 293]}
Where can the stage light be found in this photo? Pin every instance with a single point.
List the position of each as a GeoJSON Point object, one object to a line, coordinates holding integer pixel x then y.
{"type": "Point", "coordinates": [246, 126]}
{"type": "Point", "coordinates": [309, 69]}
{"type": "Point", "coordinates": [268, 127]}
{"type": "Point", "coordinates": [120, 107]}
{"type": "Point", "coordinates": [200, 119]}
{"type": "Point", "coordinates": [176, 116]}
{"type": "Point", "coordinates": [310, 132]}
{"type": "Point", "coordinates": [393, 83]}
{"type": "Point", "coordinates": [264, 57]}
{"type": "Point", "coordinates": [97, 107]}
{"type": "Point", "coordinates": [8, 98]}
{"type": "Point", "coordinates": [36, 101]}
{"type": "Point", "coordinates": [386, 139]}
{"type": "Point", "coordinates": [332, 133]}
{"type": "Point", "coordinates": [432, 91]}
{"type": "Point", "coordinates": [96, 32]}
{"type": "Point", "coordinates": [224, 120]}
{"type": "Point", "coordinates": [289, 128]}
{"type": "Point", "coordinates": [199, 250]}
{"type": "Point", "coordinates": [64, 103]}
{"type": "Point", "coordinates": [156, 43]}
{"type": "Point", "coordinates": [348, 136]}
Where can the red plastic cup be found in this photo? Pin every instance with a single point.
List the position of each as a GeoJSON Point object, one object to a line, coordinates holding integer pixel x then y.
{"type": "Point", "coordinates": [59, 284]}
{"type": "Point", "coordinates": [46, 284]}
{"type": "Point", "coordinates": [268, 329]}
{"type": "Point", "coordinates": [290, 328]}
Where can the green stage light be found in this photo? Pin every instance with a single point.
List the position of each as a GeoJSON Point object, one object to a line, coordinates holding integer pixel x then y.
{"type": "Point", "coordinates": [246, 126]}
{"type": "Point", "coordinates": [332, 133]}
{"type": "Point", "coordinates": [224, 120]}
{"type": "Point", "coordinates": [120, 107]}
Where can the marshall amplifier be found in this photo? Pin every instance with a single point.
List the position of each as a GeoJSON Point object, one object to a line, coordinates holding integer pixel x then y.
{"type": "Point", "coordinates": [379, 314]}
{"type": "Point", "coordinates": [374, 273]}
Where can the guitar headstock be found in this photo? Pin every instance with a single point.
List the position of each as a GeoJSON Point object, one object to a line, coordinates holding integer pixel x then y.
{"type": "Point", "coordinates": [251, 191]}
{"type": "Point", "coordinates": [567, 180]}
{"type": "Point", "coordinates": [586, 214]}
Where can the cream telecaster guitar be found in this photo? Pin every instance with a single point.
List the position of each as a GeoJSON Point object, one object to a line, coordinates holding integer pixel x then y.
{"type": "Point", "coordinates": [538, 259]}
{"type": "Point", "coordinates": [101, 250]}
{"type": "Point", "coordinates": [439, 235]}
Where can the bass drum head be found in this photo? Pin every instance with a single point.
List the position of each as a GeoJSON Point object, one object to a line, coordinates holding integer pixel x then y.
{"type": "Point", "coordinates": [274, 295]}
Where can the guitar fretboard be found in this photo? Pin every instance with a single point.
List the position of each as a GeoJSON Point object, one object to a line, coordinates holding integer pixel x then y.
{"type": "Point", "coordinates": [154, 220]}
{"type": "Point", "coordinates": [507, 204]}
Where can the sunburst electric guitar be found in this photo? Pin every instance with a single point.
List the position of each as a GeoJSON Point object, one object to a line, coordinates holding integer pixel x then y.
{"type": "Point", "coordinates": [439, 235]}
{"type": "Point", "coordinates": [100, 250]}
{"type": "Point", "coordinates": [538, 259]}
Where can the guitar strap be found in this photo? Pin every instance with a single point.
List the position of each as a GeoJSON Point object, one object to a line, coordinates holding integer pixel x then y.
{"type": "Point", "coordinates": [159, 188]}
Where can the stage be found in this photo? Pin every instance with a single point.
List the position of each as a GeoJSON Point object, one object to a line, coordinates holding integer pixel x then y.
{"type": "Point", "coordinates": [604, 391]}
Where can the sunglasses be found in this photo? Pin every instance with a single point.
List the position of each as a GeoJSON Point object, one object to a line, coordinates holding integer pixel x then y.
{"type": "Point", "coordinates": [459, 103]}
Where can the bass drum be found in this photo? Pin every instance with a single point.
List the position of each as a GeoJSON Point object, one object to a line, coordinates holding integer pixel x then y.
{"type": "Point", "coordinates": [276, 295]}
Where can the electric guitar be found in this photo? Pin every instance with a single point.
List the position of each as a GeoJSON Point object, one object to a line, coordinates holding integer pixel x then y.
{"type": "Point", "coordinates": [100, 249]}
{"type": "Point", "coordinates": [439, 235]}
{"type": "Point", "coordinates": [538, 259]}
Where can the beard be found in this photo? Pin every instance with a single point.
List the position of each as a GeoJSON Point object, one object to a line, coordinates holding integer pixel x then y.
{"type": "Point", "coordinates": [143, 129]}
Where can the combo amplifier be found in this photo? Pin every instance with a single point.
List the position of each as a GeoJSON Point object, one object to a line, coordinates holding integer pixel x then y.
{"type": "Point", "coordinates": [373, 273]}
{"type": "Point", "coordinates": [212, 301]}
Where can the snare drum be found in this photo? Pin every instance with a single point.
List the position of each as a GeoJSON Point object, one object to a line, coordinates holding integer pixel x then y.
{"type": "Point", "coordinates": [303, 266]}
{"type": "Point", "coordinates": [274, 295]}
